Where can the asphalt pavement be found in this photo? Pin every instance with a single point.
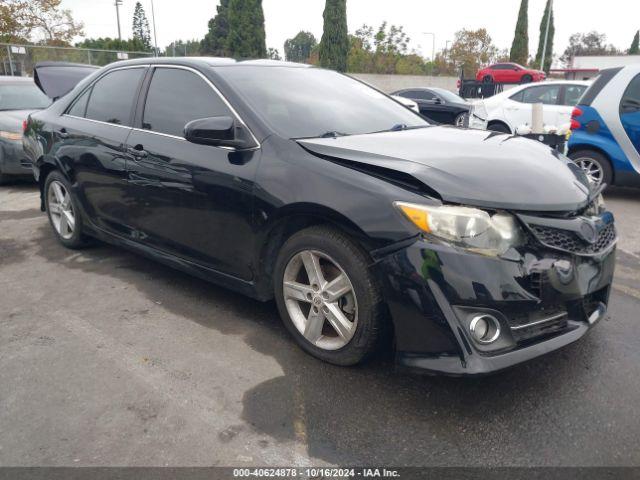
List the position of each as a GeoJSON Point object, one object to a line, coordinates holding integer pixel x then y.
{"type": "Point", "coordinates": [110, 359]}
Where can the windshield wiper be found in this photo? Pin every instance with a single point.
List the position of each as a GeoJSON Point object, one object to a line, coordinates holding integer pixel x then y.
{"type": "Point", "coordinates": [333, 134]}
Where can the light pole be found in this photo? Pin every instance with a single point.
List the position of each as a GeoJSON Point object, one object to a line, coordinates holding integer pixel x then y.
{"type": "Point", "coordinates": [546, 35]}
{"type": "Point", "coordinates": [433, 49]}
{"type": "Point", "coordinates": [155, 39]}
{"type": "Point", "coordinates": [446, 48]}
{"type": "Point", "coordinates": [117, 4]}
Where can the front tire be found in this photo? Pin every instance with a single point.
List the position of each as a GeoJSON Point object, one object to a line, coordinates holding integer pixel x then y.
{"type": "Point", "coordinates": [327, 296]}
{"type": "Point", "coordinates": [459, 120]}
{"type": "Point", "coordinates": [527, 79]}
{"type": "Point", "coordinates": [595, 166]}
{"type": "Point", "coordinates": [63, 212]}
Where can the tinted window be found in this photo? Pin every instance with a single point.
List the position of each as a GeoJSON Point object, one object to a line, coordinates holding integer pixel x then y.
{"type": "Point", "coordinates": [547, 94]}
{"type": "Point", "coordinates": [501, 66]}
{"type": "Point", "coordinates": [175, 98]}
{"type": "Point", "coordinates": [309, 102]}
{"type": "Point", "coordinates": [572, 94]}
{"type": "Point", "coordinates": [599, 83]}
{"type": "Point", "coordinates": [112, 97]}
{"type": "Point", "coordinates": [79, 107]}
{"type": "Point", "coordinates": [423, 95]}
{"type": "Point", "coordinates": [631, 98]}
{"type": "Point", "coordinates": [22, 97]}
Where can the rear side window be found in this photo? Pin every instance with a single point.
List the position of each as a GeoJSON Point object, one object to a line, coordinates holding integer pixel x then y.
{"type": "Point", "coordinates": [422, 95]}
{"type": "Point", "coordinates": [177, 97]}
{"type": "Point", "coordinates": [631, 99]}
{"type": "Point", "coordinates": [601, 81]}
{"type": "Point", "coordinates": [113, 96]}
{"type": "Point", "coordinates": [572, 94]}
{"type": "Point", "coordinates": [79, 107]}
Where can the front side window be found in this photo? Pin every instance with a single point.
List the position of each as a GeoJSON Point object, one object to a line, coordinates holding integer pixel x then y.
{"type": "Point", "coordinates": [22, 97]}
{"type": "Point", "coordinates": [113, 96]}
{"type": "Point", "coordinates": [540, 94]}
{"type": "Point", "coordinates": [310, 102]}
{"type": "Point", "coordinates": [177, 97]}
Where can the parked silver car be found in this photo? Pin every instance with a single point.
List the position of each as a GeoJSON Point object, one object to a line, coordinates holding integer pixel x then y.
{"type": "Point", "coordinates": [19, 96]}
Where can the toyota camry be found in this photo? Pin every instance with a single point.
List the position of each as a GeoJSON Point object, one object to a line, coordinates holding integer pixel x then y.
{"type": "Point", "coordinates": [468, 251]}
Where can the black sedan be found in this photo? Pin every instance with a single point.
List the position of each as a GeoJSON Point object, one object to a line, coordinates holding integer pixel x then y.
{"type": "Point", "coordinates": [438, 104]}
{"type": "Point", "coordinates": [471, 251]}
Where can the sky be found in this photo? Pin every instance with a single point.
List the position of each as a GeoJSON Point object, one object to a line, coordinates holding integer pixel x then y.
{"type": "Point", "coordinates": [187, 19]}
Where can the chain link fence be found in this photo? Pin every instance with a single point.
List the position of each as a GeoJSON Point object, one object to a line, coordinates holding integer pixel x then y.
{"type": "Point", "coordinates": [19, 60]}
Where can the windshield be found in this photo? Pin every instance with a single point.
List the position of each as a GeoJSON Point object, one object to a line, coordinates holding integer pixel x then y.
{"type": "Point", "coordinates": [22, 97]}
{"type": "Point", "coordinates": [448, 96]}
{"type": "Point", "coordinates": [310, 102]}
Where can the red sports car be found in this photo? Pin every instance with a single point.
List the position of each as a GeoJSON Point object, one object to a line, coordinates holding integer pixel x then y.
{"type": "Point", "coordinates": [509, 73]}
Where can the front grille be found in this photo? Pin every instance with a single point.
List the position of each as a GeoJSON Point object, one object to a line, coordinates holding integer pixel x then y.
{"type": "Point", "coordinates": [569, 241]}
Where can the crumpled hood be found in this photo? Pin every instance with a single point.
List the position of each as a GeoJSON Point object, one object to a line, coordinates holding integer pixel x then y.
{"type": "Point", "coordinates": [472, 167]}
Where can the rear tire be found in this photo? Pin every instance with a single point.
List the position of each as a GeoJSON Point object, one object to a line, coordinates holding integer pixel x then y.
{"type": "Point", "coordinates": [595, 165]}
{"type": "Point", "coordinates": [310, 307]}
{"type": "Point", "coordinates": [487, 79]}
{"type": "Point", "coordinates": [63, 211]}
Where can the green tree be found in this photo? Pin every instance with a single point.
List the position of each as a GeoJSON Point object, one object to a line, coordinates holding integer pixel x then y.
{"type": "Point", "coordinates": [215, 41]}
{"type": "Point", "coordinates": [299, 48]}
{"type": "Point", "coordinates": [246, 29]}
{"type": "Point", "coordinates": [140, 27]}
{"type": "Point", "coordinates": [520, 47]}
{"type": "Point", "coordinates": [587, 44]}
{"type": "Point", "coordinates": [181, 48]}
{"type": "Point", "coordinates": [548, 58]}
{"type": "Point", "coordinates": [43, 21]}
{"type": "Point", "coordinates": [334, 46]}
{"type": "Point", "coordinates": [470, 50]}
{"type": "Point", "coordinates": [635, 45]}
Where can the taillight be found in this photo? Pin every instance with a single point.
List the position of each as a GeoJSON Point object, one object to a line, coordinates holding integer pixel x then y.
{"type": "Point", "coordinates": [577, 113]}
{"type": "Point", "coordinates": [24, 126]}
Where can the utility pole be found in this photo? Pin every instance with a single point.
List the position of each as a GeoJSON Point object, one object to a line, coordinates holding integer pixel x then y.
{"type": "Point", "coordinates": [117, 4]}
{"type": "Point", "coordinates": [433, 49]}
{"type": "Point", "coordinates": [546, 35]}
{"type": "Point", "coordinates": [155, 39]}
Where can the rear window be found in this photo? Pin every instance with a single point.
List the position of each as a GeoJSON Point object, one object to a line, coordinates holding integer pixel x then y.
{"type": "Point", "coordinates": [601, 81]}
{"type": "Point", "coordinates": [22, 97]}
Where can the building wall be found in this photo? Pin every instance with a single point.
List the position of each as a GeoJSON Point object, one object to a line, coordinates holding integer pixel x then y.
{"type": "Point", "coordinates": [601, 62]}
{"type": "Point", "coordinates": [392, 83]}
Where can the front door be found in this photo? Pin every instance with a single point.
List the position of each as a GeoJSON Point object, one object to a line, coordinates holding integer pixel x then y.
{"type": "Point", "coordinates": [192, 201]}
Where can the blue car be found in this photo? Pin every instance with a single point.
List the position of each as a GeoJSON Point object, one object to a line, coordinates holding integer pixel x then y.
{"type": "Point", "coordinates": [605, 139]}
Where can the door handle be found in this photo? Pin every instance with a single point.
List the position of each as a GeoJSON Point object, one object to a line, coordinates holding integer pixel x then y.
{"type": "Point", "coordinates": [62, 133]}
{"type": "Point", "coordinates": [137, 151]}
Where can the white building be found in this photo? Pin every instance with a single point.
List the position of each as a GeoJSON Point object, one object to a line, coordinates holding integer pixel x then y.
{"type": "Point", "coordinates": [584, 68]}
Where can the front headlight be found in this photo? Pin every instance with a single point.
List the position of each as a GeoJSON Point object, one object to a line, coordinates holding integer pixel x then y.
{"type": "Point", "coordinates": [466, 227]}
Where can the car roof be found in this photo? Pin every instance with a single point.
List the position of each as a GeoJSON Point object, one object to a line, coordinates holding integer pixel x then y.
{"type": "Point", "coordinates": [207, 62]}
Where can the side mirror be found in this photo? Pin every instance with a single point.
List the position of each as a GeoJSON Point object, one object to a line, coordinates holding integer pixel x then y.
{"type": "Point", "coordinates": [437, 101]}
{"type": "Point", "coordinates": [215, 131]}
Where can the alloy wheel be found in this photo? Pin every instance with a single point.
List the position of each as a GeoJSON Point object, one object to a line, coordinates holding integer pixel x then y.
{"type": "Point", "coordinates": [61, 210]}
{"type": "Point", "coordinates": [459, 122]}
{"type": "Point", "coordinates": [592, 169]}
{"type": "Point", "coordinates": [320, 299]}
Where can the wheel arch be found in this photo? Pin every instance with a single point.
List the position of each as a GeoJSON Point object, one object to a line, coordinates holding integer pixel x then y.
{"type": "Point", "coordinates": [499, 122]}
{"type": "Point", "coordinates": [46, 165]}
{"type": "Point", "coordinates": [289, 221]}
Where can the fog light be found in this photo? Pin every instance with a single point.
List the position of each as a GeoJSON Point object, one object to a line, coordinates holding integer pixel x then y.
{"type": "Point", "coordinates": [484, 328]}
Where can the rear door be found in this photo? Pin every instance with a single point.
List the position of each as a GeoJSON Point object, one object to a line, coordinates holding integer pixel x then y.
{"type": "Point", "coordinates": [191, 201]}
{"type": "Point", "coordinates": [630, 112]}
{"type": "Point", "coordinates": [91, 137]}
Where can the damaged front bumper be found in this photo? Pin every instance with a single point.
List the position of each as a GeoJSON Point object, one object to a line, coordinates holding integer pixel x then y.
{"type": "Point", "coordinates": [542, 299]}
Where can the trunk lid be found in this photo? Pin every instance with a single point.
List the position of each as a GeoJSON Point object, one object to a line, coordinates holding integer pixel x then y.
{"type": "Point", "coordinates": [56, 79]}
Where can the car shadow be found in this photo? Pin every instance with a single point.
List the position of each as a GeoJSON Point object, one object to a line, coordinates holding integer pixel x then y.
{"type": "Point", "coordinates": [368, 414]}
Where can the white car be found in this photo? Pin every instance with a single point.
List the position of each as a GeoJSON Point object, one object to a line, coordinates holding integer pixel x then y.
{"type": "Point", "coordinates": [512, 108]}
{"type": "Point", "coordinates": [410, 104]}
